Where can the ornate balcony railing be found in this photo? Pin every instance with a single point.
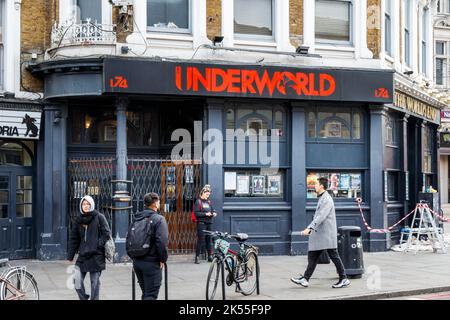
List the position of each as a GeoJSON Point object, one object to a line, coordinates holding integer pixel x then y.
{"type": "Point", "coordinates": [87, 33]}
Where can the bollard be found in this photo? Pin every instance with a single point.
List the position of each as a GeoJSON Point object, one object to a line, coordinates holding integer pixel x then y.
{"type": "Point", "coordinates": [166, 285]}
{"type": "Point", "coordinates": [133, 285]}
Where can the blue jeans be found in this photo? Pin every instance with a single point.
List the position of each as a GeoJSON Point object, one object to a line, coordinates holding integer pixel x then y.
{"type": "Point", "coordinates": [95, 285]}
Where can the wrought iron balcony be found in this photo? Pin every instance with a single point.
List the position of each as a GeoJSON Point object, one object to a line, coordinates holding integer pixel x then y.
{"type": "Point", "coordinates": [86, 33]}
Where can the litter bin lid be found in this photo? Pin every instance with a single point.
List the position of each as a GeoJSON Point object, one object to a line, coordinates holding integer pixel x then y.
{"type": "Point", "coordinates": [349, 228]}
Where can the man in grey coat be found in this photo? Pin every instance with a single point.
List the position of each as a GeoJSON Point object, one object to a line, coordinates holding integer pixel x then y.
{"type": "Point", "coordinates": [322, 234]}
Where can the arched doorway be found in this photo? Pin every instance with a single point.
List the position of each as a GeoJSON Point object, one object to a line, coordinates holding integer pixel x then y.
{"type": "Point", "coordinates": [16, 199]}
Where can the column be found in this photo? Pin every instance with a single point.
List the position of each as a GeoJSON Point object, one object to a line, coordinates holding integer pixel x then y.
{"type": "Point", "coordinates": [378, 209]}
{"type": "Point", "coordinates": [214, 171]}
{"type": "Point", "coordinates": [404, 185]}
{"type": "Point", "coordinates": [299, 244]}
{"type": "Point", "coordinates": [121, 216]}
{"type": "Point", "coordinates": [309, 16]}
{"type": "Point", "coordinates": [53, 236]}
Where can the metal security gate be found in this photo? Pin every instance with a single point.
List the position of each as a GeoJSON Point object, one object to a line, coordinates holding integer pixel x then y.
{"type": "Point", "coordinates": [177, 182]}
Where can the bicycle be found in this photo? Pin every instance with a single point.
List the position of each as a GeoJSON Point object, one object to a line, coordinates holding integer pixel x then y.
{"type": "Point", "coordinates": [16, 283]}
{"type": "Point", "coordinates": [242, 266]}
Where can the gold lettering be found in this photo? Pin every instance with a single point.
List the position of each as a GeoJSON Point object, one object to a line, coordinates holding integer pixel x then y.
{"type": "Point", "coordinates": [415, 106]}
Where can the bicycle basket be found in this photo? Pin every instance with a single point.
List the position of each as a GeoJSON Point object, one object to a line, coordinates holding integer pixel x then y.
{"type": "Point", "coordinates": [222, 245]}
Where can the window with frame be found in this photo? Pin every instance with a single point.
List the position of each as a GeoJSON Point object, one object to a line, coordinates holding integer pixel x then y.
{"type": "Point", "coordinates": [407, 25]}
{"type": "Point", "coordinates": [441, 63]}
{"type": "Point", "coordinates": [89, 10]}
{"type": "Point", "coordinates": [262, 182]}
{"type": "Point", "coordinates": [345, 125]}
{"type": "Point", "coordinates": [333, 22]}
{"type": "Point", "coordinates": [342, 184]}
{"type": "Point", "coordinates": [169, 16]}
{"type": "Point", "coordinates": [390, 127]}
{"type": "Point", "coordinates": [253, 18]}
{"type": "Point", "coordinates": [255, 121]}
{"type": "Point", "coordinates": [388, 27]}
{"type": "Point", "coordinates": [427, 149]}
{"type": "Point", "coordinates": [392, 185]}
{"type": "Point", "coordinates": [424, 41]}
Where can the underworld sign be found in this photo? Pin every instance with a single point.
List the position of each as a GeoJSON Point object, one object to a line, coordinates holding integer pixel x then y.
{"type": "Point", "coordinates": [19, 124]}
{"type": "Point", "coordinates": [253, 81]}
{"type": "Point", "coordinates": [417, 107]}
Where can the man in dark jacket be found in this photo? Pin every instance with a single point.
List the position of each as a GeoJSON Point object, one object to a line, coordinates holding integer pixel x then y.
{"type": "Point", "coordinates": [89, 233]}
{"type": "Point", "coordinates": [148, 268]}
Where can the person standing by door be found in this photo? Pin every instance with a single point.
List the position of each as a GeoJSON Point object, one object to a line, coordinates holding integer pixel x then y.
{"type": "Point", "coordinates": [322, 234]}
{"type": "Point", "coordinates": [204, 214]}
{"type": "Point", "coordinates": [90, 231]}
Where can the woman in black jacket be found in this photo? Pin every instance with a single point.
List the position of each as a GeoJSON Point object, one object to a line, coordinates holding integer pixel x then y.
{"type": "Point", "coordinates": [204, 214]}
{"type": "Point", "coordinates": [88, 236]}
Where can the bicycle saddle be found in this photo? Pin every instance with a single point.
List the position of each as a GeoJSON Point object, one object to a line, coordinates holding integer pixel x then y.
{"type": "Point", "coordinates": [3, 262]}
{"type": "Point", "coordinates": [241, 237]}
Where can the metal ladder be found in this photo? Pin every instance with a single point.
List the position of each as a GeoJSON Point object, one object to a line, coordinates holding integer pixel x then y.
{"type": "Point", "coordinates": [427, 226]}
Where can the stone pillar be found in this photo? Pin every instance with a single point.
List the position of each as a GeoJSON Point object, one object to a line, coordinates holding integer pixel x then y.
{"type": "Point", "coordinates": [299, 244]}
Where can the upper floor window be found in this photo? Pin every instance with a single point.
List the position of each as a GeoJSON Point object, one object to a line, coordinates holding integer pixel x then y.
{"type": "Point", "coordinates": [388, 27]}
{"type": "Point", "coordinates": [1, 44]}
{"type": "Point", "coordinates": [333, 21]}
{"type": "Point", "coordinates": [89, 10]}
{"type": "Point", "coordinates": [253, 18]}
{"type": "Point", "coordinates": [441, 62]}
{"type": "Point", "coordinates": [407, 27]}
{"type": "Point", "coordinates": [169, 15]}
{"type": "Point", "coordinates": [346, 125]}
{"type": "Point", "coordinates": [390, 126]}
{"type": "Point", "coordinates": [425, 20]}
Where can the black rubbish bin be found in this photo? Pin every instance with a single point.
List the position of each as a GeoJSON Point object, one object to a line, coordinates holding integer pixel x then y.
{"type": "Point", "coordinates": [350, 250]}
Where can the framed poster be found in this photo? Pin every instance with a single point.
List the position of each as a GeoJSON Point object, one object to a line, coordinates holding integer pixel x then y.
{"type": "Point", "coordinates": [189, 173]}
{"type": "Point", "coordinates": [274, 185]}
{"type": "Point", "coordinates": [344, 182]}
{"type": "Point", "coordinates": [254, 127]}
{"type": "Point", "coordinates": [258, 184]}
{"type": "Point", "coordinates": [311, 180]}
{"type": "Point", "coordinates": [334, 181]}
{"type": "Point", "coordinates": [355, 181]}
{"type": "Point", "coordinates": [243, 185]}
{"type": "Point", "coordinates": [230, 181]}
{"type": "Point", "coordinates": [110, 133]}
{"type": "Point", "coordinates": [333, 129]}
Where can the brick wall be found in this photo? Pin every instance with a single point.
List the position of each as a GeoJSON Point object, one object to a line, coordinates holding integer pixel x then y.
{"type": "Point", "coordinates": [37, 18]}
{"type": "Point", "coordinates": [213, 18]}
{"type": "Point", "coordinates": [374, 27]}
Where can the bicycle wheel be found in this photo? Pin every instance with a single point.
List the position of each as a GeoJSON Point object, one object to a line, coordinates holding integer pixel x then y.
{"type": "Point", "coordinates": [19, 285]}
{"type": "Point", "coordinates": [213, 279]}
{"type": "Point", "coordinates": [246, 274]}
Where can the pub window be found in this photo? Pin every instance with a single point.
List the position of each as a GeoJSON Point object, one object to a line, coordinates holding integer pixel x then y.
{"type": "Point", "coordinates": [256, 121]}
{"type": "Point", "coordinates": [392, 185]}
{"type": "Point", "coordinates": [89, 10]}
{"type": "Point", "coordinates": [407, 27]}
{"type": "Point", "coordinates": [262, 183]}
{"type": "Point", "coordinates": [333, 21]}
{"type": "Point", "coordinates": [341, 184]}
{"type": "Point", "coordinates": [253, 18]}
{"type": "Point", "coordinates": [335, 125]}
{"type": "Point", "coordinates": [425, 18]}
{"type": "Point", "coordinates": [169, 16]}
{"type": "Point", "coordinates": [427, 150]}
{"type": "Point", "coordinates": [16, 154]}
{"type": "Point", "coordinates": [388, 27]}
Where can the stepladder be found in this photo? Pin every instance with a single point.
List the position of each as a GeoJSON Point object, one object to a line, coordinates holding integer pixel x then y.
{"type": "Point", "coordinates": [423, 225]}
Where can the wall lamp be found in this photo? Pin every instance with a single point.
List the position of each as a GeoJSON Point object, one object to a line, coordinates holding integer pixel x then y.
{"type": "Point", "coordinates": [217, 40]}
{"type": "Point", "coordinates": [408, 73]}
{"type": "Point", "coordinates": [302, 50]}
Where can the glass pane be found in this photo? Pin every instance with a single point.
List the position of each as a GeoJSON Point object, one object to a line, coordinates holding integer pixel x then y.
{"type": "Point", "coordinates": [334, 129]}
{"type": "Point", "coordinates": [14, 154]}
{"type": "Point", "coordinates": [253, 17]}
{"type": "Point", "coordinates": [439, 71]}
{"type": "Point", "coordinates": [333, 20]}
{"type": "Point", "coordinates": [311, 125]}
{"type": "Point", "coordinates": [324, 115]}
{"type": "Point", "coordinates": [230, 119]}
{"type": "Point", "coordinates": [101, 127]}
{"type": "Point", "coordinates": [267, 114]}
{"type": "Point", "coordinates": [278, 120]}
{"type": "Point", "coordinates": [147, 129]}
{"type": "Point", "coordinates": [356, 126]}
{"type": "Point", "coordinates": [89, 9]}
{"type": "Point", "coordinates": [4, 182]}
{"type": "Point", "coordinates": [243, 112]}
{"type": "Point", "coordinates": [24, 182]}
{"type": "Point", "coordinates": [344, 116]}
{"type": "Point", "coordinates": [133, 128]}
{"type": "Point", "coordinates": [3, 211]}
{"type": "Point", "coordinates": [76, 126]}
{"type": "Point", "coordinates": [4, 196]}
{"type": "Point", "coordinates": [387, 34]}
{"type": "Point", "coordinates": [170, 14]}
{"type": "Point", "coordinates": [440, 47]}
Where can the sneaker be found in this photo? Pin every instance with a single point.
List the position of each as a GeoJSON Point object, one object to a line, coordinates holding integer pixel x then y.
{"type": "Point", "coordinates": [301, 281]}
{"type": "Point", "coordinates": [342, 283]}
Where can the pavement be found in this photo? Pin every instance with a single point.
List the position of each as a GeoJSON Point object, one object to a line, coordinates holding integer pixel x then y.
{"type": "Point", "coordinates": [387, 275]}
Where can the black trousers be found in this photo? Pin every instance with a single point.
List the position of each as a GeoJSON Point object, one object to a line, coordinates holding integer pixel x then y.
{"type": "Point", "coordinates": [203, 240]}
{"type": "Point", "coordinates": [149, 275]}
{"type": "Point", "coordinates": [313, 258]}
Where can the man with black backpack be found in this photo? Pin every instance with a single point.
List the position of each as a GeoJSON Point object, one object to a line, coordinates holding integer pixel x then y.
{"type": "Point", "coordinates": [146, 245]}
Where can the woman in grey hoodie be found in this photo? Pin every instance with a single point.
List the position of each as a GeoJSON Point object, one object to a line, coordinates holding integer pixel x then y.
{"type": "Point", "coordinates": [89, 233]}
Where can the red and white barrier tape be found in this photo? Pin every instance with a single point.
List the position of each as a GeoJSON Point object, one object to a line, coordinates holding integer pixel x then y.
{"type": "Point", "coordinates": [370, 229]}
{"type": "Point", "coordinates": [438, 215]}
